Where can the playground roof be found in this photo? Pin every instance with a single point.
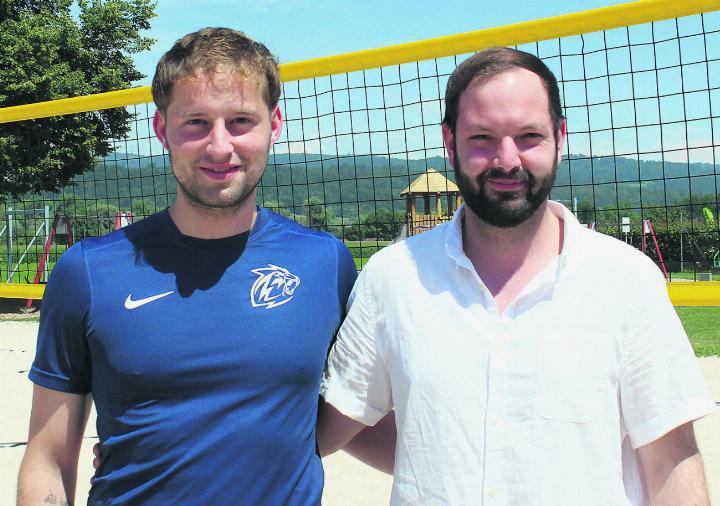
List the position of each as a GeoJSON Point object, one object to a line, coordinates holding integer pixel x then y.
{"type": "Point", "coordinates": [431, 182]}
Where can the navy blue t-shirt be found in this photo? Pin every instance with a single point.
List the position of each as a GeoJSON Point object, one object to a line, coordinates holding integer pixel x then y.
{"type": "Point", "coordinates": [203, 357]}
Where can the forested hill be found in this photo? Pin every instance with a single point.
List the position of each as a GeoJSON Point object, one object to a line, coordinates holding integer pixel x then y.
{"type": "Point", "coordinates": [292, 179]}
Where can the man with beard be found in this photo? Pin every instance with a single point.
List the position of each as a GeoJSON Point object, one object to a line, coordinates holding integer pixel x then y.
{"type": "Point", "coordinates": [528, 359]}
{"type": "Point", "coordinates": [196, 331]}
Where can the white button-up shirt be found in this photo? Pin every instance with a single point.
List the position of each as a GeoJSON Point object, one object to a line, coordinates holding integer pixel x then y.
{"type": "Point", "coordinates": [543, 405]}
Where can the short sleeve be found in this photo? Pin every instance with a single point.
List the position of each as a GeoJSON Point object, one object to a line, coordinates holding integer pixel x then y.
{"type": "Point", "coordinates": [356, 381]}
{"type": "Point", "coordinates": [661, 385]}
{"type": "Point", "coordinates": [62, 359]}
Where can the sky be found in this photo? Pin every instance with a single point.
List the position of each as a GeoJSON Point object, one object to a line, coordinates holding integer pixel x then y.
{"type": "Point", "coordinates": [296, 30]}
{"type": "Point", "coordinates": [623, 122]}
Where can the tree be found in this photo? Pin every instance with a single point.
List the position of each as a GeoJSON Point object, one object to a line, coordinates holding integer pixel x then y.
{"type": "Point", "coordinates": [279, 208]}
{"type": "Point", "coordinates": [46, 53]}
{"type": "Point", "coordinates": [88, 218]}
{"type": "Point", "coordinates": [316, 215]}
{"type": "Point", "coordinates": [387, 223]}
{"type": "Point", "coordinates": [142, 208]}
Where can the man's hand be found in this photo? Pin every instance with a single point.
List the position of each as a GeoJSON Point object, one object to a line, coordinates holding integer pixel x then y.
{"type": "Point", "coordinates": [98, 458]}
{"type": "Point", "coordinates": [673, 469]}
{"type": "Point", "coordinates": [49, 468]}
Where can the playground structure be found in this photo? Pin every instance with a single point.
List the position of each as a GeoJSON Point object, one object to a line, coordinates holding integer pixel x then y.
{"type": "Point", "coordinates": [648, 230]}
{"type": "Point", "coordinates": [60, 226]}
{"type": "Point", "coordinates": [43, 230]}
{"type": "Point", "coordinates": [428, 187]}
{"type": "Point", "coordinates": [123, 219]}
{"type": "Point", "coordinates": [383, 107]}
{"type": "Point", "coordinates": [46, 232]}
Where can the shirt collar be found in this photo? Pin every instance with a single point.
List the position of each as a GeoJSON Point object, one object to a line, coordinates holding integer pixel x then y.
{"type": "Point", "coordinates": [454, 239]}
{"type": "Point", "coordinates": [571, 230]}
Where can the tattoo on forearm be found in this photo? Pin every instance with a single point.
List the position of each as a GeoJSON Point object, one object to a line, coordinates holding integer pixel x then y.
{"type": "Point", "coordinates": [54, 499]}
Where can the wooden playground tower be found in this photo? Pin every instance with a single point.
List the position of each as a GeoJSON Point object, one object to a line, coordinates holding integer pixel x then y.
{"type": "Point", "coordinates": [431, 187]}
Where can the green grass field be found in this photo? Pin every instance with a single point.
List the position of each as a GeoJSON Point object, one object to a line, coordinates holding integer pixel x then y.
{"type": "Point", "coordinates": [690, 275]}
{"type": "Point", "coordinates": [363, 250]}
{"type": "Point", "coordinates": [25, 272]}
{"type": "Point", "coordinates": [703, 327]}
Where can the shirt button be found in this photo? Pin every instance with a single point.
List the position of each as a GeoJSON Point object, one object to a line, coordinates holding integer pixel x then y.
{"type": "Point", "coordinates": [492, 492]}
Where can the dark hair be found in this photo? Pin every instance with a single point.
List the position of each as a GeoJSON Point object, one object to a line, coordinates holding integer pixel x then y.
{"type": "Point", "coordinates": [483, 66]}
{"type": "Point", "coordinates": [210, 50]}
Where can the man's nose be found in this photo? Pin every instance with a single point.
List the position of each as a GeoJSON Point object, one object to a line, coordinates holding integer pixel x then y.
{"type": "Point", "coordinates": [507, 155]}
{"type": "Point", "coordinates": [220, 141]}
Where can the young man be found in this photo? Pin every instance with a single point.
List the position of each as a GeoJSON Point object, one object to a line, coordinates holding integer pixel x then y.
{"type": "Point", "coordinates": [196, 331]}
{"type": "Point", "coordinates": [537, 362]}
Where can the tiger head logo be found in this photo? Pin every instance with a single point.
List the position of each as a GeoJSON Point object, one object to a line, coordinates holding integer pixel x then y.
{"type": "Point", "coordinates": [274, 286]}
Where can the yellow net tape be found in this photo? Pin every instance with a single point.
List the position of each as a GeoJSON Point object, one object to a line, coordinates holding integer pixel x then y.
{"type": "Point", "coordinates": [21, 291]}
{"type": "Point", "coordinates": [604, 18]}
{"type": "Point", "coordinates": [694, 294]}
{"type": "Point", "coordinates": [681, 293]}
{"type": "Point", "coordinates": [75, 105]}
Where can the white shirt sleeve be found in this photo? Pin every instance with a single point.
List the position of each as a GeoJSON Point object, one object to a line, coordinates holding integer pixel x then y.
{"type": "Point", "coordinates": [356, 380]}
{"type": "Point", "coordinates": [661, 385]}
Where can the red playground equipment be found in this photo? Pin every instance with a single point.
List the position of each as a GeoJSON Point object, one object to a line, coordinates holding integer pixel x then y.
{"type": "Point", "coordinates": [647, 229]}
{"type": "Point", "coordinates": [123, 219]}
{"type": "Point", "coordinates": [61, 226]}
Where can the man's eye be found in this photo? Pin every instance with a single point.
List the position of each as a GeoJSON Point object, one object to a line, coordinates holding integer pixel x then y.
{"type": "Point", "coordinates": [241, 121]}
{"type": "Point", "coordinates": [195, 121]}
{"type": "Point", "coordinates": [532, 135]}
{"type": "Point", "coordinates": [480, 137]}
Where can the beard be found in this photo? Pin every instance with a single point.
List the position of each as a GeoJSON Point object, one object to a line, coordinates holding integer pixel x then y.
{"type": "Point", "coordinates": [506, 209]}
{"type": "Point", "coordinates": [209, 199]}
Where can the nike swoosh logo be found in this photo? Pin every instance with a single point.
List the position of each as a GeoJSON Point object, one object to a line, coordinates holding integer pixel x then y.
{"type": "Point", "coordinates": [133, 304]}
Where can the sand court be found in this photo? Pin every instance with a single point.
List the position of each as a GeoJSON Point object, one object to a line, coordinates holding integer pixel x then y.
{"type": "Point", "coordinates": [348, 482]}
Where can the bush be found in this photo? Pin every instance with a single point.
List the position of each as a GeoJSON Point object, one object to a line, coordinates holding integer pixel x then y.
{"type": "Point", "coordinates": [361, 249]}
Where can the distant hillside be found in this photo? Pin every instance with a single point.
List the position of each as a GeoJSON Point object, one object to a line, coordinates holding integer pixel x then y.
{"type": "Point", "coordinates": [631, 182]}
{"type": "Point", "coordinates": [352, 185]}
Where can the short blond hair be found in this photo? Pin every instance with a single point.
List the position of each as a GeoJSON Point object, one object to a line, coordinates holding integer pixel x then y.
{"type": "Point", "coordinates": [210, 50]}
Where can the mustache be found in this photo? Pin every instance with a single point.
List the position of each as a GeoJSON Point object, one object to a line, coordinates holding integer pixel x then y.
{"type": "Point", "coordinates": [516, 174]}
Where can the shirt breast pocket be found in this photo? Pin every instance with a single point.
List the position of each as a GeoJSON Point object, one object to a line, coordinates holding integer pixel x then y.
{"type": "Point", "coordinates": [571, 376]}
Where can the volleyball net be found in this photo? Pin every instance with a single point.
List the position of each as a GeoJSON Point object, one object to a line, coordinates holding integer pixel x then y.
{"type": "Point", "coordinates": [361, 155]}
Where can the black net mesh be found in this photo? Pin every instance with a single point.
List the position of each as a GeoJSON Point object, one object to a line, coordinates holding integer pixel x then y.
{"type": "Point", "coordinates": [362, 157]}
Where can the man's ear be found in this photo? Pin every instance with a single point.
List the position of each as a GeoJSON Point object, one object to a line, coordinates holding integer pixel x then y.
{"type": "Point", "coordinates": [276, 122]}
{"type": "Point", "coordinates": [448, 140]}
{"type": "Point", "coordinates": [159, 127]}
{"type": "Point", "coordinates": [561, 134]}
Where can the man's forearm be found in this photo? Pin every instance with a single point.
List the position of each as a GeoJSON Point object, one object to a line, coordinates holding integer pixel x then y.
{"type": "Point", "coordinates": [683, 485]}
{"type": "Point", "coordinates": [50, 498]}
{"type": "Point", "coordinates": [41, 482]}
{"type": "Point", "coordinates": [334, 429]}
{"type": "Point", "coordinates": [375, 446]}
{"type": "Point", "coordinates": [49, 468]}
{"type": "Point", "coordinates": [673, 469]}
